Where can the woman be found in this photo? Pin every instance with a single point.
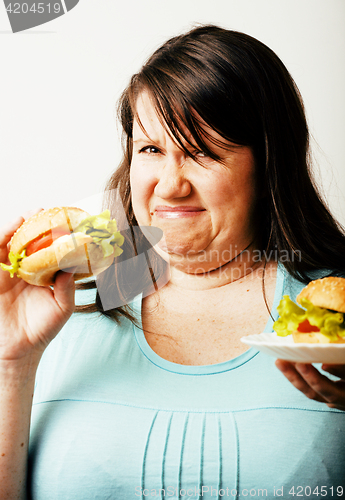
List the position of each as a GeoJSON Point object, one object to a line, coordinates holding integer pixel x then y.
{"type": "Point", "coordinates": [166, 400]}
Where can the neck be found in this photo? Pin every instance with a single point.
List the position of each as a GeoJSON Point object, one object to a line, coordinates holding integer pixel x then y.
{"type": "Point", "coordinates": [243, 266]}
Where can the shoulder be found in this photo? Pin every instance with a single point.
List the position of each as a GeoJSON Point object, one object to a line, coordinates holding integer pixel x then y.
{"type": "Point", "coordinates": [86, 349]}
{"type": "Point", "coordinates": [89, 332]}
{"type": "Point", "coordinates": [96, 320]}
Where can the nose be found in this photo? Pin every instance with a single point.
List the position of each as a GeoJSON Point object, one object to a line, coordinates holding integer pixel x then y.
{"type": "Point", "coordinates": [172, 181]}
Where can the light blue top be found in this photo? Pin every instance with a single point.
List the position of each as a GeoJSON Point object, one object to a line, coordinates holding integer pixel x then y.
{"type": "Point", "coordinates": [113, 420]}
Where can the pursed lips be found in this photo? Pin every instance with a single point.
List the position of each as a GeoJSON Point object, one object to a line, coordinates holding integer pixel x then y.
{"type": "Point", "coordinates": [166, 212]}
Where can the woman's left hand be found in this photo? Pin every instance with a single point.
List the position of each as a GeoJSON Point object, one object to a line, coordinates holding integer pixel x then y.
{"type": "Point", "coordinates": [307, 379]}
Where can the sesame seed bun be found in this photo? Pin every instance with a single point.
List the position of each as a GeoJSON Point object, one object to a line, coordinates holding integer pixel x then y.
{"type": "Point", "coordinates": [326, 292]}
{"type": "Point", "coordinates": [67, 218]}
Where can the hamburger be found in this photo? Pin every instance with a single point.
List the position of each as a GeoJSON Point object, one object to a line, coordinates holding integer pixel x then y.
{"type": "Point", "coordinates": [321, 317]}
{"type": "Point", "coordinates": [63, 239]}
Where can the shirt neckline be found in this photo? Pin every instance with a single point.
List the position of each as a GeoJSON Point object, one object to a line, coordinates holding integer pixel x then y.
{"type": "Point", "coordinates": [236, 362]}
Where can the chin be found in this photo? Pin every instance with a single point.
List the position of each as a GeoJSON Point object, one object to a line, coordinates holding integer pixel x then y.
{"type": "Point", "coordinates": [180, 251]}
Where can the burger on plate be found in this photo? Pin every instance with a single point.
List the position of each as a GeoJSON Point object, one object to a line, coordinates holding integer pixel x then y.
{"type": "Point", "coordinates": [63, 238]}
{"type": "Point", "coordinates": [321, 317]}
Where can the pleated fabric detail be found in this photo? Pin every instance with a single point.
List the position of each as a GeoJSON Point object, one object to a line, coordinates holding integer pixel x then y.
{"type": "Point", "coordinates": [190, 455]}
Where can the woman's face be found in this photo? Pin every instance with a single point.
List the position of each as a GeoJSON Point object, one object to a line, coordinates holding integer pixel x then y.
{"type": "Point", "coordinates": [206, 211]}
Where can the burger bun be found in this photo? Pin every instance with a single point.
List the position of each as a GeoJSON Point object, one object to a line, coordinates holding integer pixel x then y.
{"type": "Point", "coordinates": [71, 253]}
{"type": "Point", "coordinates": [325, 292]}
{"type": "Point", "coordinates": [328, 293]}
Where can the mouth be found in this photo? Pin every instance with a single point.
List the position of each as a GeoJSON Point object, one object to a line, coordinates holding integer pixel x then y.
{"type": "Point", "coordinates": [166, 212]}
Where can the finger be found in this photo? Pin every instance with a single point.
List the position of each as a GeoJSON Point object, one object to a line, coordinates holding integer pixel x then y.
{"type": "Point", "coordinates": [289, 370]}
{"type": "Point", "coordinates": [7, 231]}
{"type": "Point", "coordinates": [64, 291]}
{"type": "Point", "coordinates": [337, 370]}
{"type": "Point", "coordinates": [327, 389]}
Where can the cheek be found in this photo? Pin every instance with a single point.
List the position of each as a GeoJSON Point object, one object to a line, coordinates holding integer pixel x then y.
{"type": "Point", "coordinates": [234, 193]}
{"type": "Point", "coordinates": [141, 190]}
{"type": "Point", "coordinates": [235, 200]}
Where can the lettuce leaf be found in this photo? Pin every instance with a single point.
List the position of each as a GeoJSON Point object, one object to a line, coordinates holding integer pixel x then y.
{"type": "Point", "coordinates": [15, 259]}
{"type": "Point", "coordinates": [330, 323]}
{"type": "Point", "coordinates": [104, 233]}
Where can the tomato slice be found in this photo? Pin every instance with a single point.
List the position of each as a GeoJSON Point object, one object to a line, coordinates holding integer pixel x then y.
{"type": "Point", "coordinates": [44, 240]}
{"type": "Point", "coordinates": [306, 327]}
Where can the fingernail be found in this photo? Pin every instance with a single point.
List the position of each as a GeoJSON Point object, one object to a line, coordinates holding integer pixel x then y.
{"type": "Point", "coordinates": [71, 272]}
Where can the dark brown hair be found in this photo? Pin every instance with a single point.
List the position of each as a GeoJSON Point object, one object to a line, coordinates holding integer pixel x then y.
{"type": "Point", "coordinates": [242, 90]}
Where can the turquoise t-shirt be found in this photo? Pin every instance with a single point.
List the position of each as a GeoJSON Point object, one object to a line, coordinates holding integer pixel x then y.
{"type": "Point", "coordinates": [113, 420]}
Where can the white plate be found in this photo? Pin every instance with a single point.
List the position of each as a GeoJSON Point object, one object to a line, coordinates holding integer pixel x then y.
{"type": "Point", "coordinates": [285, 348]}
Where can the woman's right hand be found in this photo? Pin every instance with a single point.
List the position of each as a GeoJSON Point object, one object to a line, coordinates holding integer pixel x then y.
{"type": "Point", "coordinates": [30, 316]}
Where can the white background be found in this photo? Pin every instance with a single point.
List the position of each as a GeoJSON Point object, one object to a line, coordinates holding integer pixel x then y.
{"type": "Point", "coordinates": [59, 84]}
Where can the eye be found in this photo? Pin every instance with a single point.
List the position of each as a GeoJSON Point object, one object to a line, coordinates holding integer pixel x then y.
{"type": "Point", "coordinates": [200, 154]}
{"type": "Point", "coordinates": [149, 150]}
